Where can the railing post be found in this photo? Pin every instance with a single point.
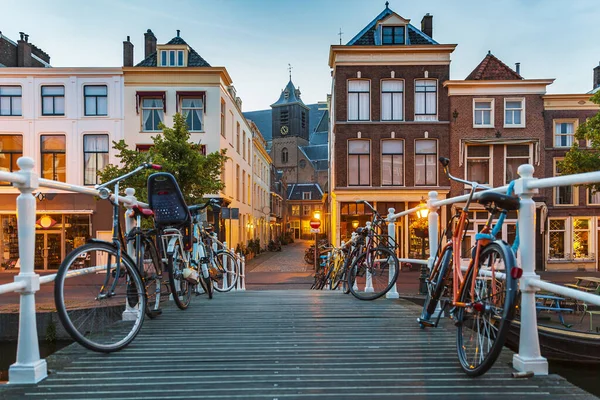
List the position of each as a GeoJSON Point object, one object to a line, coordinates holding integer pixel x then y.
{"type": "Point", "coordinates": [432, 223]}
{"type": "Point", "coordinates": [393, 292]}
{"type": "Point", "coordinates": [529, 357]}
{"type": "Point", "coordinates": [28, 368]}
{"type": "Point", "coordinates": [130, 313]}
{"type": "Point", "coordinates": [369, 279]}
{"type": "Point", "coordinates": [238, 260]}
{"type": "Point", "coordinates": [243, 273]}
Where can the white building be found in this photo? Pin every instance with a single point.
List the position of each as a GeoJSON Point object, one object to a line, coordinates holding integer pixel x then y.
{"type": "Point", "coordinates": [65, 119]}
{"type": "Point", "coordinates": [174, 78]}
{"type": "Point", "coordinates": [261, 187]}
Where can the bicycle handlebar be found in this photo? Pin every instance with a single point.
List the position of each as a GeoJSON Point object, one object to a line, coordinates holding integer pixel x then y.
{"type": "Point", "coordinates": [104, 192]}
{"type": "Point", "coordinates": [446, 162]}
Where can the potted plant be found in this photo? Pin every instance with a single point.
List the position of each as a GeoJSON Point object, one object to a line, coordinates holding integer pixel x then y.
{"type": "Point", "coordinates": [420, 227]}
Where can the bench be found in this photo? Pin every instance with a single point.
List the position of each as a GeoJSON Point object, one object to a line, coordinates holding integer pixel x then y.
{"type": "Point", "coordinates": [552, 303]}
{"type": "Point", "coordinates": [584, 288]}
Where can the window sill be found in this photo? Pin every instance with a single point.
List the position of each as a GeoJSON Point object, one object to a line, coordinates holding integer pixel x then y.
{"type": "Point", "coordinates": [358, 120]}
{"type": "Point", "coordinates": [197, 131]}
{"type": "Point", "coordinates": [95, 115]}
{"type": "Point", "coordinates": [569, 260]}
{"type": "Point", "coordinates": [513, 126]}
{"type": "Point", "coordinates": [483, 126]}
{"type": "Point", "coordinates": [564, 205]}
{"type": "Point", "coordinates": [52, 115]}
{"type": "Point", "coordinates": [150, 131]}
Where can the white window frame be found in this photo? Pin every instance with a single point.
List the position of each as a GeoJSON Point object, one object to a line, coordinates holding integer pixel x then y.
{"type": "Point", "coordinates": [392, 99]}
{"type": "Point", "coordinates": [569, 236]}
{"type": "Point", "coordinates": [490, 162]}
{"type": "Point", "coordinates": [492, 114]}
{"type": "Point", "coordinates": [348, 154]}
{"type": "Point", "coordinates": [193, 109]}
{"type": "Point", "coordinates": [575, 190]}
{"type": "Point", "coordinates": [427, 116]}
{"type": "Point", "coordinates": [348, 100]}
{"type": "Point", "coordinates": [142, 108]}
{"type": "Point", "coordinates": [165, 58]}
{"type": "Point", "coordinates": [306, 195]}
{"type": "Point", "coordinates": [556, 122]}
{"type": "Point", "coordinates": [523, 114]}
{"type": "Point", "coordinates": [565, 240]}
{"type": "Point", "coordinates": [506, 156]}
{"type": "Point", "coordinates": [393, 154]}
{"type": "Point", "coordinates": [590, 203]}
{"type": "Point", "coordinates": [437, 153]}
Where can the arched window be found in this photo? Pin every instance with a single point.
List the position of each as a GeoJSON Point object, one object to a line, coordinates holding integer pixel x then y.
{"type": "Point", "coordinates": [284, 155]}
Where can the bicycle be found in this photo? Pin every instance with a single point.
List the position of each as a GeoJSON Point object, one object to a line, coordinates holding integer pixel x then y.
{"type": "Point", "coordinates": [483, 299]}
{"type": "Point", "coordinates": [102, 306]}
{"type": "Point", "coordinates": [223, 266]}
{"type": "Point", "coordinates": [374, 271]}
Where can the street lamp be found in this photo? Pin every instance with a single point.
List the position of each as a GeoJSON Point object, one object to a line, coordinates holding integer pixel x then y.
{"type": "Point", "coordinates": [422, 213]}
{"type": "Point", "coordinates": [317, 217]}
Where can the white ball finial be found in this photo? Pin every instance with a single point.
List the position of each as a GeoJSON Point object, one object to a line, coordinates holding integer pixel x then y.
{"type": "Point", "coordinates": [526, 171]}
{"type": "Point", "coordinates": [25, 163]}
{"type": "Point", "coordinates": [129, 192]}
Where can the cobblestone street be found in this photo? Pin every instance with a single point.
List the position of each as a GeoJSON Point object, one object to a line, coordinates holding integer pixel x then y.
{"type": "Point", "coordinates": [283, 269]}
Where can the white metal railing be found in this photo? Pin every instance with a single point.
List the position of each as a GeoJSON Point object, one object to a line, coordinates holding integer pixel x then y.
{"type": "Point", "coordinates": [29, 368]}
{"type": "Point", "coordinates": [529, 357]}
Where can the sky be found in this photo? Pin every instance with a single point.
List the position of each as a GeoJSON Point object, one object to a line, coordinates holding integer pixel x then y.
{"type": "Point", "coordinates": [257, 39]}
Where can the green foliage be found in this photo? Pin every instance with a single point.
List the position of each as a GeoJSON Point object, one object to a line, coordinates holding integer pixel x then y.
{"type": "Point", "coordinates": [196, 174]}
{"type": "Point", "coordinates": [579, 160]}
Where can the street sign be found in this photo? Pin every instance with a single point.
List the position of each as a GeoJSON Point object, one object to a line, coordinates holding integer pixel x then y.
{"type": "Point", "coordinates": [315, 223]}
{"type": "Point", "coordinates": [230, 213]}
{"type": "Point", "coordinates": [313, 230]}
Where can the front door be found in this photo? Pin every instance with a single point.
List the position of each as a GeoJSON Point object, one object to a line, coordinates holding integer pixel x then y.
{"type": "Point", "coordinates": [48, 250]}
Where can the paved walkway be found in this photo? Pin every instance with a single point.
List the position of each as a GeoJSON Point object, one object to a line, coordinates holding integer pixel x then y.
{"type": "Point", "coordinates": [285, 345]}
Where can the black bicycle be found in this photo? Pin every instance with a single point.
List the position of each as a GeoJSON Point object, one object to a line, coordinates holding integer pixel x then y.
{"type": "Point", "coordinates": [102, 306]}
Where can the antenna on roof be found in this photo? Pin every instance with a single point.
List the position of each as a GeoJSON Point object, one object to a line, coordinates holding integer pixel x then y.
{"type": "Point", "coordinates": [340, 35]}
{"type": "Point", "coordinates": [290, 70]}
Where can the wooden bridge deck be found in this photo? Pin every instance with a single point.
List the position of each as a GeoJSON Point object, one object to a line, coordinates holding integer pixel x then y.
{"type": "Point", "coordinates": [284, 345]}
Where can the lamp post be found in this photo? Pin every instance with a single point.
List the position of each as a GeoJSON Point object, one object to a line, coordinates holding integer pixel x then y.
{"type": "Point", "coordinates": [422, 214]}
{"type": "Point", "coordinates": [315, 223]}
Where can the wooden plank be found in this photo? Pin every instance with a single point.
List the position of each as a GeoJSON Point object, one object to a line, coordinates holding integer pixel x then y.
{"type": "Point", "coordinates": [284, 345]}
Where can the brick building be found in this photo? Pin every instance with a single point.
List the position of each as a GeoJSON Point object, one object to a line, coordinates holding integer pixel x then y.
{"type": "Point", "coordinates": [21, 53]}
{"type": "Point", "coordinates": [390, 121]}
{"type": "Point", "coordinates": [497, 124]}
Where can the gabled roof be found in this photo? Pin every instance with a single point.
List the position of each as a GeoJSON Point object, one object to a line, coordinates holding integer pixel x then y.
{"type": "Point", "coordinates": [491, 68]}
{"type": "Point", "coordinates": [194, 59]}
{"type": "Point", "coordinates": [368, 35]}
{"type": "Point", "coordinates": [289, 95]}
{"type": "Point", "coordinates": [295, 190]}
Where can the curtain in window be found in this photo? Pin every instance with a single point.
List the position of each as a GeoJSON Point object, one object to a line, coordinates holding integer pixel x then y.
{"type": "Point", "coordinates": [358, 100]}
{"type": "Point", "coordinates": [95, 156]}
{"type": "Point", "coordinates": [152, 114]}
{"type": "Point", "coordinates": [391, 100]}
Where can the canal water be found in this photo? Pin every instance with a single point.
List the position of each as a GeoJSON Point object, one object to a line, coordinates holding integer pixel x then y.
{"type": "Point", "coordinates": [584, 376]}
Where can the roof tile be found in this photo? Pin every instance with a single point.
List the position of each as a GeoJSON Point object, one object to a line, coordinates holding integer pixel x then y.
{"type": "Point", "coordinates": [491, 68]}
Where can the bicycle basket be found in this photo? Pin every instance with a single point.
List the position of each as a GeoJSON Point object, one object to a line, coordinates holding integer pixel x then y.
{"type": "Point", "coordinates": [166, 200]}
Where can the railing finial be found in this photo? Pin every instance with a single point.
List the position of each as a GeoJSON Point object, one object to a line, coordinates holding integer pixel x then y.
{"type": "Point", "coordinates": [526, 171]}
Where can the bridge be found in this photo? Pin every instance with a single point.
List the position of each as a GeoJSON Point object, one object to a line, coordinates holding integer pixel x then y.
{"type": "Point", "coordinates": [291, 344]}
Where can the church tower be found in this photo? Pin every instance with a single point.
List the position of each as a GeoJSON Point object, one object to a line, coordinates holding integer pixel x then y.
{"type": "Point", "coordinates": [290, 114]}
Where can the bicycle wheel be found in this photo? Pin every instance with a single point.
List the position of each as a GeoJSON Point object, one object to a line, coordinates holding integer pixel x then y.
{"type": "Point", "coordinates": [436, 283]}
{"type": "Point", "coordinates": [224, 271]}
{"type": "Point", "coordinates": [337, 274]}
{"type": "Point", "coordinates": [371, 273]}
{"type": "Point", "coordinates": [484, 323]}
{"type": "Point", "coordinates": [151, 272]}
{"type": "Point", "coordinates": [100, 307]}
{"type": "Point", "coordinates": [180, 287]}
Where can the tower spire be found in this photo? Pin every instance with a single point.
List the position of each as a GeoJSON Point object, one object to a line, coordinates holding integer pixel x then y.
{"type": "Point", "coordinates": [340, 33]}
{"type": "Point", "coordinates": [290, 70]}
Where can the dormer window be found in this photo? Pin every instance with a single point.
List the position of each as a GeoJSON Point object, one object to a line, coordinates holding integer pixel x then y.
{"type": "Point", "coordinates": [393, 35]}
{"type": "Point", "coordinates": [172, 58]}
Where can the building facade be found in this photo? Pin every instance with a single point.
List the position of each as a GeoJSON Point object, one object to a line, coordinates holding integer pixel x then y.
{"type": "Point", "coordinates": [65, 119]}
{"type": "Point", "coordinates": [389, 123]}
{"type": "Point", "coordinates": [174, 78]}
{"type": "Point", "coordinates": [260, 225]}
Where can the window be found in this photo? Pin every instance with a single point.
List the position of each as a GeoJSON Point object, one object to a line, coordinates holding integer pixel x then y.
{"type": "Point", "coordinates": [516, 155]}
{"type": "Point", "coordinates": [243, 187]}
{"type": "Point", "coordinates": [223, 109]}
{"type": "Point", "coordinates": [303, 119]}
{"type": "Point", "coordinates": [284, 155]}
{"type": "Point", "coordinates": [11, 148]}
{"type": "Point", "coordinates": [95, 157]}
{"type": "Point", "coordinates": [391, 100]}
{"type": "Point", "coordinates": [244, 144]}
{"type": "Point", "coordinates": [359, 162]}
{"type": "Point", "coordinates": [483, 113]}
{"type": "Point", "coordinates": [192, 110]}
{"type": "Point", "coordinates": [237, 138]}
{"type": "Point", "coordinates": [593, 198]}
{"type": "Point", "coordinates": [53, 100]}
{"type": "Point", "coordinates": [306, 211]}
{"type": "Point", "coordinates": [10, 100]}
{"type": "Point", "coordinates": [514, 116]}
{"type": "Point", "coordinates": [152, 114]}
{"type": "Point", "coordinates": [359, 98]}
{"type": "Point", "coordinates": [564, 132]}
{"type": "Point", "coordinates": [249, 148]}
{"type": "Point", "coordinates": [393, 35]}
{"type": "Point", "coordinates": [53, 149]}
{"type": "Point", "coordinates": [425, 162]}
{"type": "Point", "coordinates": [569, 238]}
{"type": "Point", "coordinates": [306, 195]}
{"type": "Point", "coordinates": [237, 182]}
{"type": "Point", "coordinates": [95, 100]}
{"type": "Point", "coordinates": [425, 100]}
{"type": "Point", "coordinates": [563, 195]}
{"type": "Point", "coordinates": [392, 162]}
{"type": "Point", "coordinates": [478, 164]}
{"type": "Point", "coordinates": [171, 58]}
{"type": "Point", "coordinates": [249, 190]}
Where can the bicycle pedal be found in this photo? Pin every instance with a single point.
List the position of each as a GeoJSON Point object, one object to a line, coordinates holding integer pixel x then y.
{"type": "Point", "coordinates": [426, 323]}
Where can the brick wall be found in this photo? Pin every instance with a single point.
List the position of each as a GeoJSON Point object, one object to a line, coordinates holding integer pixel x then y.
{"type": "Point", "coordinates": [8, 53]}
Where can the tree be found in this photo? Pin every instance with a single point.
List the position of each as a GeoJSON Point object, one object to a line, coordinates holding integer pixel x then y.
{"type": "Point", "coordinates": [578, 160]}
{"type": "Point", "coordinates": [196, 174]}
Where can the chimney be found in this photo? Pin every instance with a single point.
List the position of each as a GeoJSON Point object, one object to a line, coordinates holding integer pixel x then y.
{"type": "Point", "coordinates": [127, 53]}
{"type": "Point", "coordinates": [23, 51]}
{"type": "Point", "coordinates": [150, 43]}
{"type": "Point", "coordinates": [597, 76]}
{"type": "Point", "coordinates": [518, 68]}
{"type": "Point", "coordinates": [427, 25]}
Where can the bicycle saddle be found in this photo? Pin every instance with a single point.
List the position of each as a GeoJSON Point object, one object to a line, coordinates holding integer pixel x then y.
{"type": "Point", "coordinates": [502, 201]}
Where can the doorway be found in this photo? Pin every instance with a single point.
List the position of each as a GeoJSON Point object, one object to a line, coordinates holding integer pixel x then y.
{"type": "Point", "coordinates": [48, 250]}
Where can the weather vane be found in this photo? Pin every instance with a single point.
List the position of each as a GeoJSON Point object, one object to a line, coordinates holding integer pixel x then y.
{"type": "Point", "coordinates": [290, 70]}
{"type": "Point", "coordinates": [340, 35]}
